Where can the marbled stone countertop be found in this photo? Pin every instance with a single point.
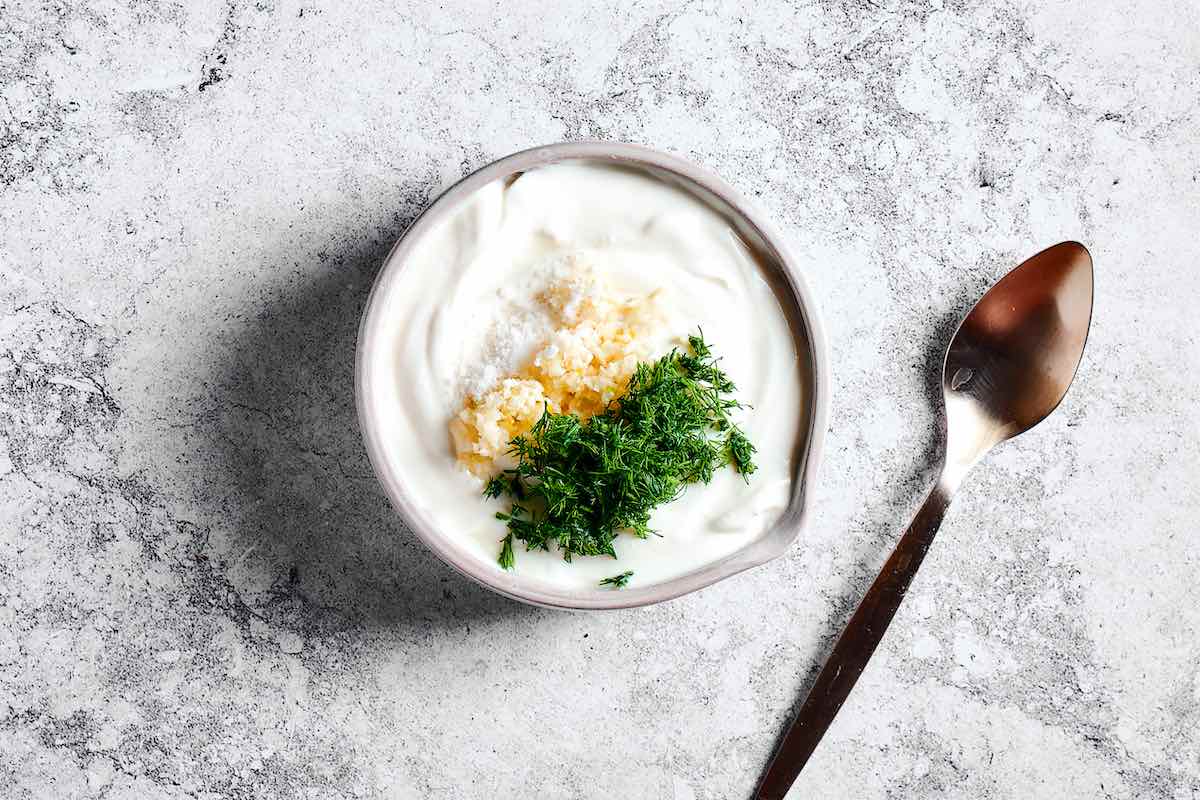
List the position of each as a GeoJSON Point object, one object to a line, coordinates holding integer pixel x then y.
{"type": "Point", "coordinates": [203, 593]}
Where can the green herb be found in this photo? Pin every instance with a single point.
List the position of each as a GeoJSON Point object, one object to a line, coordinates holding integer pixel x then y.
{"type": "Point", "coordinates": [618, 581]}
{"type": "Point", "coordinates": [506, 552]}
{"type": "Point", "coordinates": [578, 483]}
{"type": "Point", "coordinates": [497, 486]}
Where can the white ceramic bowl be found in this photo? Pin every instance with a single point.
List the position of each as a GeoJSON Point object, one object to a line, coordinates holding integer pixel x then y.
{"type": "Point", "coordinates": [758, 233]}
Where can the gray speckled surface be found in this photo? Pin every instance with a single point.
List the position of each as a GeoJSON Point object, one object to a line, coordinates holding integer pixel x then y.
{"type": "Point", "coordinates": [202, 592]}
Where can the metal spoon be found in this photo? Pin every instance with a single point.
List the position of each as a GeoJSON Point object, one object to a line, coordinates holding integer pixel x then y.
{"type": "Point", "coordinates": [1008, 366]}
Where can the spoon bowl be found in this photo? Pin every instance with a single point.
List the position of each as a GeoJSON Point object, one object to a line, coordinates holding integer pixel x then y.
{"type": "Point", "coordinates": [1014, 355]}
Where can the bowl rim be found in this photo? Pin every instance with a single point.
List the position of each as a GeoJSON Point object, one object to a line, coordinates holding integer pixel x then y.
{"type": "Point", "coordinates": [756, 553]}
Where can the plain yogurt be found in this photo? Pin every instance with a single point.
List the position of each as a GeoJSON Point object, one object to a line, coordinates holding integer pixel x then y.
{"type": "Point", "coordinates": [475, 274]}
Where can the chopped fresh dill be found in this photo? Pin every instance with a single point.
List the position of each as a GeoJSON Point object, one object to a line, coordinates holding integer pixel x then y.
{"type": "Point", "coordinates": [618, 581]}
{"type": "Point", "coordinates": [506, 552]}
{"type": "Point", "coordinates": [578, 483]}
{"type": "Point", "coordinates": [741, 452]}
{"type": "Point", "coordinates": [496, 487]}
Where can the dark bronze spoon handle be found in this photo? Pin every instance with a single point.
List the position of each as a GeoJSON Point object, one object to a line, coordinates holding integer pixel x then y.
{"type": "Point", "coordinates": [854, 648]}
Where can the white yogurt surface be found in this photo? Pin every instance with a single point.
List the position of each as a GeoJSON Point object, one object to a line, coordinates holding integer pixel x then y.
{"type": "Point", "coordinates": [642, 234]}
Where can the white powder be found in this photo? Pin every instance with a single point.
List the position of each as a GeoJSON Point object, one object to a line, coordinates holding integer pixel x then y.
{"type": "Point", "coordinates": [510, 341]}
{"type": "Point", "coordinates": [571, 281]}
{"type": "Point", "coordinates": [555, 292]}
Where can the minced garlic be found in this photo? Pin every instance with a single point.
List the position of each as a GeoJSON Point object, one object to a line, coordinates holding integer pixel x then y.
{"type": "Point", "coordinates": [581, 366]}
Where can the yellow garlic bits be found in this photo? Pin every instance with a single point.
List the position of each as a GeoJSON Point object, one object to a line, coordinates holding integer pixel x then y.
{"type": "Point", "coordinates": [583, 364]}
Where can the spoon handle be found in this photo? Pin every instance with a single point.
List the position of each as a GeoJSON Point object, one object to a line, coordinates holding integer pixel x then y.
{"type": "Point", "coordinates": [854, 648]}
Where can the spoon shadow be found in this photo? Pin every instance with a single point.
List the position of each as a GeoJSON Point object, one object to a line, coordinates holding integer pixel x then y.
{"type": "Point", "coordinates": [321, 536]}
